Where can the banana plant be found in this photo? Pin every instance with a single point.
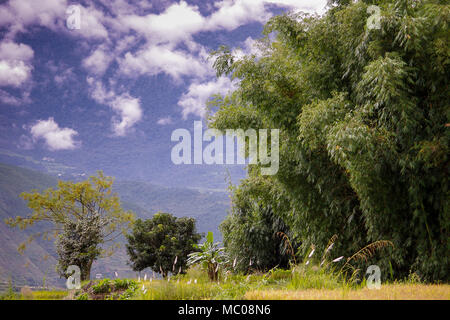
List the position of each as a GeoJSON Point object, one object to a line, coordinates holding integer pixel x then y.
{"type": "Point", "coordinates": [210, 256]}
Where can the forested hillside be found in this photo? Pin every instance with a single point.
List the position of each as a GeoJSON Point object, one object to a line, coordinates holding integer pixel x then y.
{"type": "Point", "coordinates": [38, 261]}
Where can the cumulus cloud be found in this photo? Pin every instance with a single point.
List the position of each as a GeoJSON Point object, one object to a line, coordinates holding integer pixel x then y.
{"type": "Point", "coordinates": [127, 108]}
{"type": "Point", "coordinates": [55, 138]}
{"type": "Point", "coordinates": [165, 121]}
{"type": "Point", "coordinates": [142, 44]}
{"type": "Point", "coordinates": [176, 23]}
{"type": "Point", "coordinates": [93, 23]}
{"type": "Point", "coordinates": [15, 63]}
{"type": "Point", "coordinates": [161, 59]}
{"type": "Point", "coordinates": [16, 15]}
{"type": "Point", "coordinates": [13, 73]}
{"type": "Point", "coordinates": [194, 101]}
{"type": "Point", "coordinates": [98, 61]}
{"type": "Point", "coordinates": [130, 112]}
{"type": "Point", "coordinates": [317, 6]}
{"type": "Point", "coordinates": [13, 51]}
{"type": "Point", "coordinates": [232, 14]}
{"type": "Point", "coordinates": [163, 32]}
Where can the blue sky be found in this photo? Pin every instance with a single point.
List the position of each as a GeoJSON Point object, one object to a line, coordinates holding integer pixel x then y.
{"type": "Point", "coordinates": [108, 95]}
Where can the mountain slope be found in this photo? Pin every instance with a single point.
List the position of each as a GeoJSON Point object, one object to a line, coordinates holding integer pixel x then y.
{"type": "Point", "coordinates": [38, 261]}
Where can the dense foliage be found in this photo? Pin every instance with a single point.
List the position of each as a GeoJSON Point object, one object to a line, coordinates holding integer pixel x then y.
{"type": "Point", "coordinates": [363, 115]}
{"type": "Point", "coordinates": [162, 243]}
{"type": "Point", "coordinates": [256, 237]}
{"type": "Point", "coordinates": [79, 244]}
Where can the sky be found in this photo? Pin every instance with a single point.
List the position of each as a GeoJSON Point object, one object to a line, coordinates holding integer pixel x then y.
{"type": "Point", "coordinates": [91, 85]}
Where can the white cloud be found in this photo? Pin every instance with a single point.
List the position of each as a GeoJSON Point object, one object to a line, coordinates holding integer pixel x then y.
{"type": "Point", "coordinates": [130, 112]}
{"type": "Point", "coordinates": [232, 14]}
{"type": "Point", "coordinates": [13, 73]}
{"type": "Point", "coordinates": [317, 6]}
{"type": "Point", "coordinates": [165, 121]}
{"type": "Point", "coordinates": [98, 92]}
{"type": "Point", "coordinates": [249, 47]}
{"type": "Point", "coordinates": [161, 59]}
{"type": "Point", "coordinates": [178, 22]}
{"type": "Point", "coordinates": [10, 50]}
{"type": "Point", "coordinates": [127, 107]}
{"type": "Point", "coordinates": [194, 101]}
{"type": "Point", "coordinates": [15, 66]}
{"type": "Point", "coordinates": [141, 43]}
{"type": "Point", "coordinates": [98, 61]}
{"type": "Point", "coordinates": [18, 14]}
{"type": "Point", "coordinates": [55, 138]}
{"type": "Point", "coordinates": [93, 23]}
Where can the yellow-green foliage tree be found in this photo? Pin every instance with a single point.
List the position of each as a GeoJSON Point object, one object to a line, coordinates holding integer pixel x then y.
{"type": "Point", "coordinates": [81, 216]}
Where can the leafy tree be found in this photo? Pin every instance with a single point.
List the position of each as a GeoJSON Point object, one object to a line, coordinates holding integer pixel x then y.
{"type": "Point", "coordinates": [253, 233]}
{"type": "Point", "coordinates": [363, 117]}
{"type": "Point", "coordinates": [81, 216]}
{"type": "Point", "coordinates": [210, 256]}
{"type": "Point", "coordinates": [162, 243]}
{"type": "Point", "coordinates": [79, 244]}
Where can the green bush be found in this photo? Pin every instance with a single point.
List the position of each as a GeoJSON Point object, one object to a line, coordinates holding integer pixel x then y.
{"type": "Point", "coordinates": [115, 289]}
{"type": "Point", "coordinates": [82, 296]}
{"type": "Point", "coordinates": [103, 286]}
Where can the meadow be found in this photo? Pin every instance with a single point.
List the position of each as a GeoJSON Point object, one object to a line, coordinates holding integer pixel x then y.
{"type": "Point", "coordinates": [298, 283]}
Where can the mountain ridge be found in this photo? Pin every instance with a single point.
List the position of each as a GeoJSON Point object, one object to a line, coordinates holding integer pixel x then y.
{"type": "Point", "coordinates": [37, 263]}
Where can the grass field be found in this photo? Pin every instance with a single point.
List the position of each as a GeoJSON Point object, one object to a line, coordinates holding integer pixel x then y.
{"type": "Point", "coordinates": [160, 290]}
{"type": "Point", "coordinates": [297, 284]}
{"type": "Point", "coordinates": [386, 292]}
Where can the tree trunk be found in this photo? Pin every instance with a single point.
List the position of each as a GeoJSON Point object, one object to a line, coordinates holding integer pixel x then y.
{"type": "Point", "coordinates": [213, 275]}
{"type": "Point", "coordinates": [86, 271]}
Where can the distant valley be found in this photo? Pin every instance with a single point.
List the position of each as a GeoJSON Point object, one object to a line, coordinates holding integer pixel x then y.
{"type": "Point", "coordinates": [208, 207]}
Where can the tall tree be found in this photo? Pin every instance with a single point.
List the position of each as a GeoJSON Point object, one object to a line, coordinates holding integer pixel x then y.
{"type": "Point", "coordinates": [254, 236]}
{"type": "Point", "coordinates": [162, 243]}
{"type": "Point", "coordinates": [79, 244]}
{"type": "Point", "coordinates": [80, 216]}
{"type": "Point", "coordinates": [363, 113]}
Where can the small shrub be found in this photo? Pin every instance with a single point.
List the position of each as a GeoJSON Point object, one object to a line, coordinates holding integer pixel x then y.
{"type": "Point", "coordinates": [120, 284]}
{"type": "Point", "coordinates": [103, 286]}
{"type": "Point", "coordinates": [10, 294]}
{"type": "Point", "coordinates": [111, 289]}
{"type": "Point", "coordinates": [82, 296]}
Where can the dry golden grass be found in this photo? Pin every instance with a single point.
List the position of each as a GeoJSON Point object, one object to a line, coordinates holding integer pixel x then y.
{"type": "Point", "coordinates": [386, 292]}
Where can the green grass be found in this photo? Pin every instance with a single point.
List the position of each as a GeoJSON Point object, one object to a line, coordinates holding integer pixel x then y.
{"type": "Point", "coordinates": [301, 282]}
{"type": "Point", "coordinates": [390, 291]}
{"type": "Point", "coordinates": [49, 295]}
{"type": "Point", "coordinates": [195, 284]}
{"type": "Point", "coordinates": [35, 295]}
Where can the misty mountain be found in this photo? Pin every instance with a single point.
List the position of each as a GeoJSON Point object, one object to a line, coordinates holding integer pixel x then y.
{"type": "Point", "coordinates": [38, 262]}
